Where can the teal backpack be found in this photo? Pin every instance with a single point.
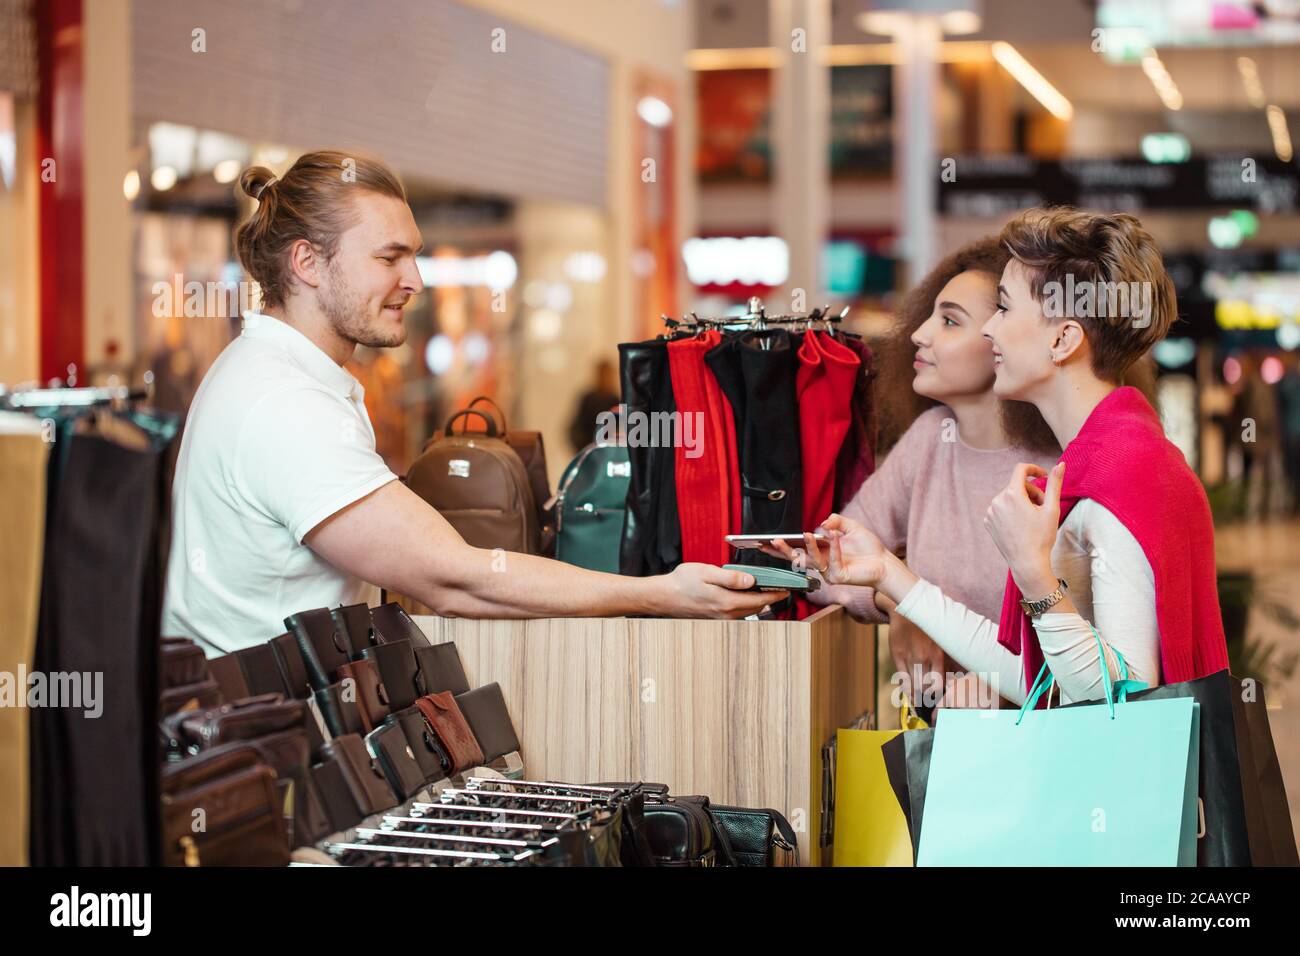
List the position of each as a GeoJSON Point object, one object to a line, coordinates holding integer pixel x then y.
{"type": "Point", "coordinates": [589, 507]}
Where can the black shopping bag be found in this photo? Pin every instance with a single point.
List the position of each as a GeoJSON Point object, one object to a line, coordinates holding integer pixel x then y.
{"type": "Point", "coordinates": [1268, 818]}
{"type": "Point", "coordinates": [1243, 801]}
{"type": "Point", "coordinates": [907, 762]}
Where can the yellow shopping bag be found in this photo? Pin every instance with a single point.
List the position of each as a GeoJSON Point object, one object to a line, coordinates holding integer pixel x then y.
{"type": "Point", "coordinates": [908, 719]}
{"type": "Point", "coordinates": [870, 829]}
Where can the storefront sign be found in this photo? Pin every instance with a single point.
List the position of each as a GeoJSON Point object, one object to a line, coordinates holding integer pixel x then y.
{"type": "Point", "coordinates": [997, 186]}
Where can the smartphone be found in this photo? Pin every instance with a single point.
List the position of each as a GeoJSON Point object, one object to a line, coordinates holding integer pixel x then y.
{"type": "Point", "coordinates": [755, 541]}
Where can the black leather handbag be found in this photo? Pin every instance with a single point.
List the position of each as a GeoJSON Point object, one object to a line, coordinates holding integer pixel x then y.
{"type": "Point", "coordinates": [441, 669]}
{"type": "Point", "coordinates": [681, 831]}
{"type": "Point", "coordinates": [321, 642]}
{"type": "Point", "coordinates": [485, 712]}
{"type": "Point", "coordinates": [757, 837]}
{"type": "Point", "coordinates": [396, 757]}
{"type": "Point", "coordinates": [353, 622]}
{"type": "Point", "coordinates": [398, 671]}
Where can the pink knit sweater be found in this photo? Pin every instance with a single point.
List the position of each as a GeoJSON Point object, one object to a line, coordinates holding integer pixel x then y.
{"type": "Point", "coordinates": [928, 499]}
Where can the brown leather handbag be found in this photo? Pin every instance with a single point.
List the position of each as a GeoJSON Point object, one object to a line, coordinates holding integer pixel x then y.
{"type": "Point", "coordinates": [371, 698]}
{"type": "Point", "coordinates": [221, 808]}
{"type": "Point", "coordinates": [452, 730]}
{"type": "Point", "coordinates": [190, 697]}
{"type": "Point", "coordinates": [245, 719]}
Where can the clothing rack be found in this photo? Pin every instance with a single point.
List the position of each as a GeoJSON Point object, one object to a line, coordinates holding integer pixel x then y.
{"type": "Point", "coordinates": [756, 317]}
{"type": "Point", "coordinates": [29, 398]}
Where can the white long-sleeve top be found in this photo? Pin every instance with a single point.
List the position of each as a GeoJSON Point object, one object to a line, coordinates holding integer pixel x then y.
{"type": "Point", "coordinates": [1111, 584]}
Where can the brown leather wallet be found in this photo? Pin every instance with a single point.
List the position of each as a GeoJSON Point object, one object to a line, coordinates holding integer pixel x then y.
{"type": "Point", "coordinates": [392, 623]}
{"type": "Point", "coordinates": [365, 777]}
{"type": "Point", "coordinates": [371, 698]}
{"type": "Point", "coordinates": [261, 671]}
{"type": "Point", "coordinates": [353, 622]}
{"type": "Point", "coordinates": [229, 675]}
{"type": "Point", "coordinates": [340, 711]}
{"type": "Point", "coordinates": [452, 730]}
{"type": "Point", "coordinates": [441, 669]}
{"type": "Point", "coordinates": [242, 819]}
{"type": "Point", "coordinates": [485, 712]}
{"type": "Point", "coordinates": [292, 667]}
{"type": "Point", "coordinates": [181, 662]}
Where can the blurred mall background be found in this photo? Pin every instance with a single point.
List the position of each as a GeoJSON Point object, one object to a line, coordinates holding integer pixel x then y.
{"type": "Point", "coordinates": [580, 168]}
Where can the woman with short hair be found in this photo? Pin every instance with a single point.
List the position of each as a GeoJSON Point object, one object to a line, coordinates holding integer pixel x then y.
{"type": "Point", "coordinates": [1113, 550]}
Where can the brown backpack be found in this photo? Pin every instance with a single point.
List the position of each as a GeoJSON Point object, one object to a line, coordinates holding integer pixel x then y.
{"type": "Point", "coordinates": [532, 452]}
{"type": "Point", "coordinates": [478, 483]}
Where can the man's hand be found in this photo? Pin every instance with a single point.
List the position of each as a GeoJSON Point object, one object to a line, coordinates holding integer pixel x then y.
{"type": "Point", "coordinates": [702, 590]}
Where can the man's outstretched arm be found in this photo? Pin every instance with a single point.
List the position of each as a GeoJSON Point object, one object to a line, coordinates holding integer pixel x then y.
{"type": "Point", "coordinates": [394, 539]}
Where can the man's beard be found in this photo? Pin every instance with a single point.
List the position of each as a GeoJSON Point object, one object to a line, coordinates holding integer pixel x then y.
{"type": "Point", "coordinates": [346, 313]}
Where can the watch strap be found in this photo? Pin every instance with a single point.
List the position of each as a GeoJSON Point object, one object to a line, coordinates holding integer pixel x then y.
{"type": "Point", "coordinates": [1042, 605]}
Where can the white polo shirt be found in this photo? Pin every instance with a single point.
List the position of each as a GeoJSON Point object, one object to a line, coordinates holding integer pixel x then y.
{"type": "Point", "coordinates": [276, 441]}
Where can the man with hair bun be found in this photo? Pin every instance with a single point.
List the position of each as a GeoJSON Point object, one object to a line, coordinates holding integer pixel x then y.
{"type": "Point", "coordinates": [281, 502]}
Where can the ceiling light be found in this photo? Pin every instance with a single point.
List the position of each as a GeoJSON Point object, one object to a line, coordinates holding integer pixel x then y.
{"type": "Point", "coordinates": [1032, 80]}
{"type": "Point", "coordinates": [1250, 80]}
{"type": "Point", "coordinates": [163, 178]}
{"type": "Point", "coordinates": [958, 22]}
{"type": "Point", "coordinates": [883, 23]}
{"type": "Point", "coordinates": [131, 185]}
{"type": "Point", "coordinates": [1281, 135]}
{"type": "Point", "coordinates": [226, 171]}
{"type": "Point", "coordinates": [654, 111]}
{"type": "Point", "coordinates": [1165, 86]}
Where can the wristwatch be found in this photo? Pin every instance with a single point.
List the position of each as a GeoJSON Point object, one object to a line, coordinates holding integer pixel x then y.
{"type": "Point", "coordinates": [1036, 608]}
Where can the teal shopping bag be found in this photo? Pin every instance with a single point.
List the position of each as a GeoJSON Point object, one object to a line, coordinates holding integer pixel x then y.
{"type": "Point", "coordinates": [1112, 784]}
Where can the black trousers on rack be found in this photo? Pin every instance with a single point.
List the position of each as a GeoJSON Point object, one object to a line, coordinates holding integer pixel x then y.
{"type": "Point", "coordinates": [652, 532]}
{"type": "Point", "coordinates": [94, 781]}
{"type": "Point", "coordinates": [756, 371]}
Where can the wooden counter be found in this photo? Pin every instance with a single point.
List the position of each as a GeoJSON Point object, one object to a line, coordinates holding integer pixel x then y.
{"type": "Point", "coordinates": [738, 710]}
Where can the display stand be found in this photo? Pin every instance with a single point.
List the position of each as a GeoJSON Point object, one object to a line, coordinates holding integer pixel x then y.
{"type": "Point", "coordinates": [737, 710]}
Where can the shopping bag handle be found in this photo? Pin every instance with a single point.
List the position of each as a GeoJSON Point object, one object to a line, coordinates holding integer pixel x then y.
{"type": "Point", "coordinates": [908, 718]}
{"type": "Point", "coordinates": [1123, 685]}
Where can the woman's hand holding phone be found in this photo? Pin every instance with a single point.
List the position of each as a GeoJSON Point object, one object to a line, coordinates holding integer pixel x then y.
{"type": "Point", "coordinates": [850, 554]}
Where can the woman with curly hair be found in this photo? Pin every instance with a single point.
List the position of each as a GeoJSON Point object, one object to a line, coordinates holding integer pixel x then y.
{"type": "Point", "coordinates": [954, 446]}
{"type": "Point", "coordinates": [1111, 552]}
